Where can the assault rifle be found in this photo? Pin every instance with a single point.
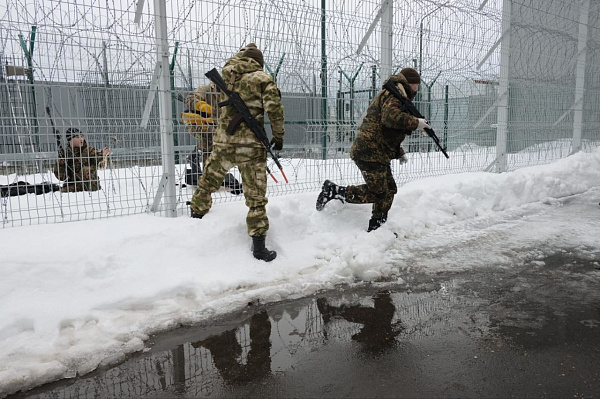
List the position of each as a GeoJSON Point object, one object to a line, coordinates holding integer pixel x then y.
{"type": "Point", "coordinates": [61, 151]}
{"type": "Point", "coordinates": [243, 115]}
{"type": "Point", "coordinates": [410, 107]}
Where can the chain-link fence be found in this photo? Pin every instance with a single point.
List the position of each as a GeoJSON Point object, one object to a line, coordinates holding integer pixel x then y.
{"type": "Point", "coordinates": [505, 84]}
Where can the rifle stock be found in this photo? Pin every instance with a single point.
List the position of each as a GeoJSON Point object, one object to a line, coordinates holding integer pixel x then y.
{"type": "Point", "coordinates": [410, 107]}
{"type": "Point", "coordinates": [244, 115]}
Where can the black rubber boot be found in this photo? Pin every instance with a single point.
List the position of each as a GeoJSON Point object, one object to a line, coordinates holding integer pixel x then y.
{"type": "Point", "coordinates": [232, 183]}
{"type": "Point", "coordinates": [330, 191]}
{"type": "Point", "coordinates": [260, 252]}
{"type": "Point", "coordinates": [192, 213]}
{"type": "Point", "coordinates": [376, 223]}
{"type": "Point", "coordinates": [196, 215]}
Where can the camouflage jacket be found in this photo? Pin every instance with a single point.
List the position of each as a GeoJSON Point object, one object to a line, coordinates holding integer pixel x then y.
{"type": "Point", "coordinates": [259, 92]}
{"type": "Point", "coordinates": [74, 160]}
{"type": "Point", "coordinates": [384, 127]}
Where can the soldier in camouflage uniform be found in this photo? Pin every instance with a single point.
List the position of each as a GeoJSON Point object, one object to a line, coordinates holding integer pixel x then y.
{"type": "Point", "coordinates": [378, 142]}
{"type": "Point", "coordinates": [244, 75]}
{"type": "Point", "coordinates": [77, 166]}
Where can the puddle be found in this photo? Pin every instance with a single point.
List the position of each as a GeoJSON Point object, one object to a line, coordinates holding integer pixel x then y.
{"type": "Point", "coordinates": [481, 333]}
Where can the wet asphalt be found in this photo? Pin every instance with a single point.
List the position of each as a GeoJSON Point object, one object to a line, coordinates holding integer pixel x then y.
{"type": "Point", "coordinates": [526, 331]}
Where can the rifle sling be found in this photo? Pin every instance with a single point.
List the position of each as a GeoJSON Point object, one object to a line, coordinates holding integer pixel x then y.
{"type": "Point", "coordinates": [232, 79]}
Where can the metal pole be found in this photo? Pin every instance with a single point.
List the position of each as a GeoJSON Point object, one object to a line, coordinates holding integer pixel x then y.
{"type": "Point", "coordinates": [445, 140]}
{"type": "Point", "coordinates": [340, 100]}
{"type": "Point", "coordinates": [387, 36]}
{"type": "Point", "coordinates": [164, 99]}
{"type": "Point", "coordinates": [502, 132]}
{"type": "Point", "coordinates": [323, 80]}
{"type": "Point", "coordinates": [30, 61]}
{"type": "Point", "coordinates": [174, 99]}
{"type": "Point", "coordinates": [189, 71]}
{"type": "Point", "coordinates": [421, 46]}
{"type": "Point", "coordinates": [373, 82]}
{"type": "Point", "coordinates": [105, 78]}
{"type": "Point", "coordinates": [172, 82]}
{"type": "Point", "coordinates": [580, 76]}
{"type": "Point", "coordinates": [340, 114]}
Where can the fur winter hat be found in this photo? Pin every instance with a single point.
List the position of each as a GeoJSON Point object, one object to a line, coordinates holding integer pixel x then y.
{"type": "Point", "coordinates": [72, 132]}
{"type": "Point", "coordinates": [411, 75]}
{"type": "Point", "coordinates": [253, 52]}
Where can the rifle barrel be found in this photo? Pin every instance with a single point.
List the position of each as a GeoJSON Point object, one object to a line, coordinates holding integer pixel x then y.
{"type": "Point", "coordinates": [410, 107]}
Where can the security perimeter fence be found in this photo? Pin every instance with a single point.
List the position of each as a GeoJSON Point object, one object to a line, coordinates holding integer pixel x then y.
{"type": "Point", "coordinates": [505, 84]}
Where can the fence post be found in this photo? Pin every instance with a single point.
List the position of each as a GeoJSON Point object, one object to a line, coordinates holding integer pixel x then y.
{"type": "Point", "coordinates": [387, 35]}
{"type": "Point", "coordinates": [174, 99]}
{"type": "Point", "coordinates": [165, 106]}
{"type": "Point", "coordinates": [503, 100]}
{"type": "Point", "coordinates": [580, 76]}
{"type": "Point", "coordinates": [323, 80]}
{"type": "Point", "coordinates": [445, 139]}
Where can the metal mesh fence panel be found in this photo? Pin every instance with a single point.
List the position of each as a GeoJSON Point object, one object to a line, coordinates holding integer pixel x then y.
{"type": "Point", "coordinates": [505, 84]}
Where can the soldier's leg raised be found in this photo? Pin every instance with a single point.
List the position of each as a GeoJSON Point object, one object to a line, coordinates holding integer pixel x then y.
{"type": "Point", "coordinates": [372, 190]}
{"type": "Point", "coordinates": [219, 162]}
{"type": "Point", "coordinates": [329, 192]}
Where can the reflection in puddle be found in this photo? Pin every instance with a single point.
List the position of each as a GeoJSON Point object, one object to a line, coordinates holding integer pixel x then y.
{"type": "Point", "coordinates": [267, 343]}
{"type": "Point", "coordinates": [234, 364]}
{"type": "Point", "coordinates": [378, 329]}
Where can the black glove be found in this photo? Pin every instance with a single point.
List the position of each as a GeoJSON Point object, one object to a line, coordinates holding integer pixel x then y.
{"type": "Point", "coordinates": [399, 152]}
{"type": "Point", "coordinates": [276, 144]}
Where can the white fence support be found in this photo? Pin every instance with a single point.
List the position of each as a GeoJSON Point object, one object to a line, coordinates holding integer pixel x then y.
{"type": "Point", "coordinates": [387, 36]}
{"type": "Point", "coordinates": [504, 100]}
{"type": "Point", "coordinates": [165, 106]}
{"type": "Point", "coordinates": [580, 75]}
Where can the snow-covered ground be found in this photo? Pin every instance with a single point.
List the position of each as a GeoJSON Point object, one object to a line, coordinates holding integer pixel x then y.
{"type": "Point", "coordinates": [74, 296]}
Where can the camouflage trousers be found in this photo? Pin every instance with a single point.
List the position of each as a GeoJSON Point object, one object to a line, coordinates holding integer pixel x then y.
{"type": "Point", "coordinates": [205, 140]}
{"type": "Point", "coordinates": [252, 163]}
{"type": "Point", "coordinates": [379, 188]}
{"type": "Point", "coordinates": [86, 180]}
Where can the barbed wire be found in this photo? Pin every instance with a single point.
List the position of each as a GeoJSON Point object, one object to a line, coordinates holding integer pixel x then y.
{"type": "Point", "coordinates": [212, 30]}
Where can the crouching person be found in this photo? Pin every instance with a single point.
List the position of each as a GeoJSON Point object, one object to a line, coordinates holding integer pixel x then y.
{"type": "Point", "coordinates": [77, 165]}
